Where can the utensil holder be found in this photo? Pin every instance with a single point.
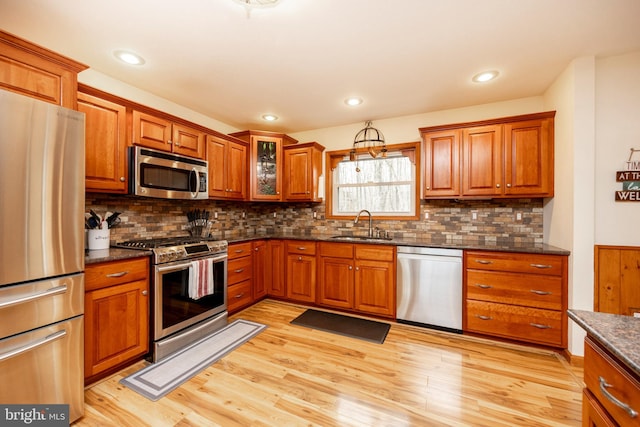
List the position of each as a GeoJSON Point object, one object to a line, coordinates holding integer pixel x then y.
{"type": "Point", "coordinates": [99, 239]}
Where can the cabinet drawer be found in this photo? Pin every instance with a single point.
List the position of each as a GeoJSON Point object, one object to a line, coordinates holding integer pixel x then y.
{"type": "Point", "coordinates": [375, 252]}
{"type": "Point", "coordinates": [511, 288]}
{"type": "Point", "coordinates": [238, 295]}
{"type": "Point", "coordinates": [518, 263]}
{"type": "Point", "coordinates": [238, 250]}
{"type": "Point", "coordinates": [336, 250]}
{"type": "Point", "coordinates": [608, 381]}
{"type": "Point", "coordinates": [238, 270]}
{"type": "Point", "coordinates": [520, 323]}
{"type": "Point", "coordinates": [107, 274]}
{"type": "Point", "coordinates": [301, 247]}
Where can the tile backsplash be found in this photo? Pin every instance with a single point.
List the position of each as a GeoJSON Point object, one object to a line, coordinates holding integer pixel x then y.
{"type": "Point", "coordinates": [496, 220]}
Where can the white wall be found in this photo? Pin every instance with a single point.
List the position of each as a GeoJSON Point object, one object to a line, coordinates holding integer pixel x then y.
{"type": "Point", "coordinates": [570, 218]}
{"type": "Point", "coordinates": [405, 129]}
{"type": "Point", "coordinates": [617, 130]}
{"type": "Point", "coordinates": [116, 87]}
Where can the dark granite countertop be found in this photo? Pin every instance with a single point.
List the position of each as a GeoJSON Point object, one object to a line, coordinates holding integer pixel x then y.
{"type": "Point", "coordinates": [432, 243]}
{"type": "Point", "coordinates": [618, 334]}
{"type": "Point", "coordinates": [112, 254]}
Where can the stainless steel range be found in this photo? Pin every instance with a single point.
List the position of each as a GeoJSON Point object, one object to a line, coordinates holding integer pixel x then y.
{"type": "Point", "coordinates": [189, 289]}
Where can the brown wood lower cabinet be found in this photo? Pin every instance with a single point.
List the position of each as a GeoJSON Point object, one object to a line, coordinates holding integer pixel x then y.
{"type": "Point", "coordinates": [516, 296]}
{"type": "Point", "coordinates": [612, 393]}
{"type": "Point", "coordinates": [301, 270]}
{"type": "Point", "coordinates": [357, 277]}
{"type": "Point", "coordinates": [239, 276]}
{"type": "Point", "coordinates": [275, 270]}
{"type": "Point", "coordinates": [116, 315]}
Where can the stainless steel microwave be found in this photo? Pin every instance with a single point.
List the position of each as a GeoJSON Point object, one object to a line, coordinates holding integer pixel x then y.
{"type": "Point", "coordinates": [163, 175]}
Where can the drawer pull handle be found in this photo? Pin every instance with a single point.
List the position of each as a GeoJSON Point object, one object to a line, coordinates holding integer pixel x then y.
{"type": "Point", "coordinates": [483, 286]}
{"type": "Point", "coordinates": [120, 274]}
{"type": "Point", "coordinates": [239, 251]}
{"type": "Point", "coordinates": [240, 270]}
{"type": "Point", "coordinates": [239, 296]}
{"type": "Point", "coordinates": [537, 292]}
{"type": "Point", "coordinates": [484, 261]}
{"type": "Point", "coordinates": [302, 248]}
{"type": "Point", "coordinates": [541, 265]}
{"type": "Point", "coordinates": [540, 326]}
{"type": "Point", "coordinates": [603, 388]}
{"type": "Point", "coordinates": [481, 317]}
{"type": "Point", "coordinates": [48, 293]}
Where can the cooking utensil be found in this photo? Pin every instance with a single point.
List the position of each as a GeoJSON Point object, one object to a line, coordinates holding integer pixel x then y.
{"type": "Point", "coordinates": [113, 219]}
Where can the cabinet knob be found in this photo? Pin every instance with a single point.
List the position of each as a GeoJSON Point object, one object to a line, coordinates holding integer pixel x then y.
{"type": "Point", "coordinates": [122, 179]}
{"type": "Point", "coordinates": [497, 185]}
{"type": "Point", "coordinates": [145, 292]}
{"type": "Point", "coordinates": [357, 268]}
{"type": "Point", "coordinates": [350, 267]}
{"type": "Point", "coordinates": [256, 249]}
{"type": "Point", "coordinates": [299, 258]}
{"type": "Point", "coordinates": [169, 142]}
{"type": "Point", "coordinates": [508, 185]}
{"type": "Point", "coordinates": [428, 188]}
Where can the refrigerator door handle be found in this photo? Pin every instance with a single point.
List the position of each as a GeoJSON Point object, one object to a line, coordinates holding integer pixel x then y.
{"type": "Point", "coordinates": [49, 292]}
{"type": "Point", "coordinates": [32, 345]}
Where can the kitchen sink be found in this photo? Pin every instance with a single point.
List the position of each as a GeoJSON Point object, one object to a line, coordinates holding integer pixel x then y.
{"type": "Point", "coordinates": [360, 239]}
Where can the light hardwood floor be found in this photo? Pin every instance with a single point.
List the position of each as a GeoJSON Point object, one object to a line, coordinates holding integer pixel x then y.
{"type": "Point", "coordinates": [294, 376]}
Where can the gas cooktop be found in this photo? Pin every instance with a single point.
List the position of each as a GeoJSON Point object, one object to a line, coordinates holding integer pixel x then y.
{"type": "Point", "coordinates": [176, 248]}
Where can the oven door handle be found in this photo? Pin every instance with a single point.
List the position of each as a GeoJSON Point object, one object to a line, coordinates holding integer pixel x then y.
{"type": "Point", "coordinates": [166, 268]}
{"type": "Point", "coordinates": [185, 265]}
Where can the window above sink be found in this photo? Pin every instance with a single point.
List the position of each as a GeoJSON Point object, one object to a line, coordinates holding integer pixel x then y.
{"type": "Point", "coordinates": [385, 186]}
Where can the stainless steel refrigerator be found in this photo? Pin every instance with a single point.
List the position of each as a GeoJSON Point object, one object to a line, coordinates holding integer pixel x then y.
{"type": "Point", "coordinates": [41, 253]}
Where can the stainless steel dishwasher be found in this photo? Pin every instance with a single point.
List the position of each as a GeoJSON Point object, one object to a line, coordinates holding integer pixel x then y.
{"type": "Point", "coordinates": [430, 287]}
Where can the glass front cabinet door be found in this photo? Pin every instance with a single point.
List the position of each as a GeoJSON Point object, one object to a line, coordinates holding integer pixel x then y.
{"type": "Point", "coordinates": [266, 168]}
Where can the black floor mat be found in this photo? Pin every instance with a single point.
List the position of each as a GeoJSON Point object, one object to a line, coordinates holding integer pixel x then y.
{"type": "Point", "coordinates": [348, 326]}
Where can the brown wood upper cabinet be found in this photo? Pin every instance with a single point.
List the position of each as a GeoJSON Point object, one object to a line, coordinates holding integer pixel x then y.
{"type": "Point", "coordinates": [37, 72]}
{"type": "Point", "coordinates": [500, 158]}
{"type": "Point", "coordinates": [227, 159]}
{"type": "Point", "coordinates": [105, 143]}
{"type": "Point", "coordinates": [265, 163]}
{"type": "Point", "coordinates": [302, 170]}
{"type": "Point", "coordinates": [162, 134]}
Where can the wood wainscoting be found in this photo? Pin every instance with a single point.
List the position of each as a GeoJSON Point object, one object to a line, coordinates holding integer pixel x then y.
{"type": "Point", "coordinates": [617, 279]}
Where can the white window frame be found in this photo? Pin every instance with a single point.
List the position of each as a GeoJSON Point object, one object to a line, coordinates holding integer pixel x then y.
{"type": "Point", "coordinates": [334, 158]}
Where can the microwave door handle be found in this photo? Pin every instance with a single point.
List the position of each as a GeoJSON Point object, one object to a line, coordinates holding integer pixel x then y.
{"type": "Point", "coordinates": [194, 194]}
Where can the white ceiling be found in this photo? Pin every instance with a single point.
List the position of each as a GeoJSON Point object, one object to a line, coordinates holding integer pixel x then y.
{"type": "Point", "coordinates": [300, 59]}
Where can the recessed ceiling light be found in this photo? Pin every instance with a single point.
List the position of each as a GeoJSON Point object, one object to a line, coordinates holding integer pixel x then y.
{"type": "Point", "coordinates": [270, 117]}
{"type": "Point", "coordinates": [353, 101]}
{"type": "Point", "coordinates": [485, 76]}
{"type": "Point", "coordinates": [129, 57]}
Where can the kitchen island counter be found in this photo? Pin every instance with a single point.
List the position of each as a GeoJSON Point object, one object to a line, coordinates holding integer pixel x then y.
{"type": "Point", "coordinates": [619, 334]}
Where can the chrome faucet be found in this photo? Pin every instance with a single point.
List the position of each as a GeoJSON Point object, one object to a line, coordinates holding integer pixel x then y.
{"type": "Point", "coordinates": [358, 217]}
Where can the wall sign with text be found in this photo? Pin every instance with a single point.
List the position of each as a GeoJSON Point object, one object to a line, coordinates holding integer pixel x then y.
{"type": "Point", "coordinates": [630, 180]}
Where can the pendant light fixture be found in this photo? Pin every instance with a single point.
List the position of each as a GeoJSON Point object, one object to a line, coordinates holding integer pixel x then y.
{"type": "Point", "coordinates": [370, 139]}
{"type": "Point", "coordinates": [252, 4]}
